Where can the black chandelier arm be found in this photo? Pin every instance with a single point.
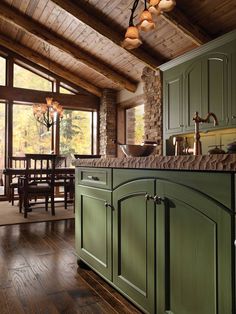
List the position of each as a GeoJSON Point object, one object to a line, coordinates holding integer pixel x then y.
{"type": "Point", "coordinates": [135, 4]}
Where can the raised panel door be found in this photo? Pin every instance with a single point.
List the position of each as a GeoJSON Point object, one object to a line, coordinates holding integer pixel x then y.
{"type": "Point", "coordinates": [196, 239]}
{"type": "Point", "coordinates": [173, 104]}
{"type": "Point", "coordinates": [216, 81]}
{"type": "Point", "coordinates": [193, 88]}
{"type": "Point", "coordinates": [93, 228]}
{"type": "Point", "coordinates": [133, 242]}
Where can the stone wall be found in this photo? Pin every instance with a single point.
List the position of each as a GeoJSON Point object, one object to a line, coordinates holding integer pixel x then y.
{"type": "Point", "coordinates": [108, 123]}
{"type": "Point", "coordinates": [130, 127]}
{"type": "Point", "coordinates": [153, 120]}
{"type": "Point", "coordinates": [153, 117]}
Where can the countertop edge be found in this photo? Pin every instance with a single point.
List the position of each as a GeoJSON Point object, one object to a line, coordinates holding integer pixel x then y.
{"type": "Point", "coordinates": [219, 162]}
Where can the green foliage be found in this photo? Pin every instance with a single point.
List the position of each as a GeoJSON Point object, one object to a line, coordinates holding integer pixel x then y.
{"type": "Point", "coordinates": [75, 131]}
{"type": "Point", "coordinates": [24, 78]}
{"type": "Point", "coordinates": [2, 71]}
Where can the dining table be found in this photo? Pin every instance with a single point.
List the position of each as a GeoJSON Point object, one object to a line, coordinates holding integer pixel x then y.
{"type": "Point", "coordinates": [14, 172]}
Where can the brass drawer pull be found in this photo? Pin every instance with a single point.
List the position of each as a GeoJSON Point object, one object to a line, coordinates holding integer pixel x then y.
{"type": "Point", "coordinates": [108, 205]}
{"type": "Point", "coordinates": [93, 178]}
{"type": "Point", "coordinates": [156, 199]}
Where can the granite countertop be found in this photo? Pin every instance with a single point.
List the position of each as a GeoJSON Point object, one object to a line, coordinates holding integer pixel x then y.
{"type": "Point", "coordinates": [221, 162]}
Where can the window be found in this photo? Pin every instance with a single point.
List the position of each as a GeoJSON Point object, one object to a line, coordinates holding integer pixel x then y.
{"type": "Point", "coordinates": [2, 71]}
{"type": "Point", "coordinates": [28, 135]}
{"type": "Point", "coordinates": [64, 90]}
{"type": "Point", "coordinates": [135, 125]}
{"type": "Point", "coordinates": [76, 132]}
{"type": "Point", "coordinates": [2, 145]}
{"type": "Point", "coordinates": [24, 78]}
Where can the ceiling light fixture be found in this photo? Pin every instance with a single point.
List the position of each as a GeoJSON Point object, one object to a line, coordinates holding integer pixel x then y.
{"type": "Point", "coordinates": [47, 114]}
{"type": "Point", "coordinates": [153, 7]}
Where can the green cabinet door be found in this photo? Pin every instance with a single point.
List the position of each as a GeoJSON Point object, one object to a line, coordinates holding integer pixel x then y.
{"type": "Point", "coordinates": [194, 93]}
{"type": "Point", "coordinates": [93, 228]}
{"type": "Point", "coordinates": [233, 91]}
{"type": "Point", "coordinates": [173, 101]}
{"type": "Point", "coordinates": [194, 231]}
{"type": "Point", "coordinates": [133, 242]}
{"type": "Point", "coordinates": [217, 87]}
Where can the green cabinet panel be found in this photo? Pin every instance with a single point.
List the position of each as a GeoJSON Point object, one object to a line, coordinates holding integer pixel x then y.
{"type": "Point", "coordinates": [193, 93]}
{"type": "Point", "coordinates": [216, 80]}
{"type": "Point", "coordinates": [133, 243]}
{"type": "Point", "coordinates": [207, 183]}
{"type": "Point", "coordinates": [233, 94]}
{"type": "Point", "coordinates": [204, 84]}
{"type": "Point", "coordinates": [173, 103]}
{"type": "Point", "coordinates": [196, 240]}
{"type": "Point", "coordinates": [93, 228]}
{"type": "Point", "coordinates": [96, 177]}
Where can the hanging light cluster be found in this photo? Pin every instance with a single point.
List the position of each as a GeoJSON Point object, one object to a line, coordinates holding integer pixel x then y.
{"type": "Point", "coordinates": [154, 7]}
{"type": "Point", "coordinates": [48, 113]}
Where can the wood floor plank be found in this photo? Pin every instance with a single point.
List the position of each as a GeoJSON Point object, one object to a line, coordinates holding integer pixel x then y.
{"type": "Point", "coordinates": [39, 274]}
{"type": "Point", "coordinates": [9, 302]}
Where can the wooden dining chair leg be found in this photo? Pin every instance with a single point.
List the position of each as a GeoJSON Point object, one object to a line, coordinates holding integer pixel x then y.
{"type": "Point", "coordinates": [46, 203]}
{"type": "Point", "coordinates": [52, 205]}
{"type": "Point", "coordinates": [26, 206]}
{"type": "Point", "coordinates": [12, 195]}
{"type": "Point", "coordinates": [65, 198]}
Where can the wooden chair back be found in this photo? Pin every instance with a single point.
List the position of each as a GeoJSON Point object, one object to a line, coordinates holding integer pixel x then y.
{"type": "Point", "coordinates": [40, 168]}
{"type": "Point", "coordinates": [38, 180]}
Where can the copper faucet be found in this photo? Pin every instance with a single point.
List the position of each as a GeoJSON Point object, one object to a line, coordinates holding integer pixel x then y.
{"type": "Point", "coordinates": [197, 147]}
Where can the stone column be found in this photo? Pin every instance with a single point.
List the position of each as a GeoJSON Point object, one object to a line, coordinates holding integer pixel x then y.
{"type": "Point", "coordinates": [108, 123]}
{"type": "Point", "coordinates": [153, 112]}
{"type": "Point", "coordinates": [130, 131]}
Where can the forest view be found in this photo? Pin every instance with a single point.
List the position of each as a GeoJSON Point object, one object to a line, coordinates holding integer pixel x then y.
{"type": "Point", "coordinates": [29, 136]}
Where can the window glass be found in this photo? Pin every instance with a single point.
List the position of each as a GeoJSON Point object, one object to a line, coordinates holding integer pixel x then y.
{"type": "Point", "coordinates": [2, 146]}
{"type": "Point", "coordinates": [135, 125]}
{"type": "Point", "coordinates": [2, 71]}
{"type": "Point", "coordinates": [24, 78]}
{"type": "Point", "coordinates": [76, 132]}
{"type": "Point", "coordinates": [65, 91]}
{"type": "Point", "coordinates": [29, 136]}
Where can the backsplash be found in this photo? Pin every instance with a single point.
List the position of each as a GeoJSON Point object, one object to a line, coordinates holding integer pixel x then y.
{"type": "Point", "coordinates": [208, 139]}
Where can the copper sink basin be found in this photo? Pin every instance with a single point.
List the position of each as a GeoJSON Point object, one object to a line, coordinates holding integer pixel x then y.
{"type": "Point", "coordinates": [137, 150]}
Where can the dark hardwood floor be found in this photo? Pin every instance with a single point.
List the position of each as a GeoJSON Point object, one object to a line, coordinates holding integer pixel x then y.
{"type": "Point", "coordinates": [39, 274]}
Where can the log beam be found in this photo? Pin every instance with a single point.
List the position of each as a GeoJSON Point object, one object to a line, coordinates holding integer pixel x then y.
{"type": "Point", "coordinates": [180, 21]}
{"type": "Point", "coordinates": [95, 21]}
{"type": "Point", "coordinates": [44, 62]}
{"type": "Point", "coordinates": [15, 17]}
{"type": "Point", "coordinates": [83, 102]}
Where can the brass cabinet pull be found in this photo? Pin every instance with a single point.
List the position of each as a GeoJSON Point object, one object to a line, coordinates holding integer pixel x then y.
{"type": "Point", "coordinates": [234, 116]}
{"type": "Point", "coordinates": [93, 178]}
{"type": "Point", "coordinates": [149, 197]}
{"type": "Point", "coordinates": [156, 199]}
{"type": "Point", "coordinates": [108, 205]}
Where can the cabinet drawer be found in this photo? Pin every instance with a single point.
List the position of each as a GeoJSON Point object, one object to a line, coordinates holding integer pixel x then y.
{"type": "Point", "coordinates": [95, 177]}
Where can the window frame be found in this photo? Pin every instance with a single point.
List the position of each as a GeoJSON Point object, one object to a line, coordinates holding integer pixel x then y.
{"type": "Point", "coordinates": [13, 58]}
{"type": "Point", "coordinates": [34, 71]}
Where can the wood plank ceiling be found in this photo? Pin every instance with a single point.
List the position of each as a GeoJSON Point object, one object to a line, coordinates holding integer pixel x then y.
{"type": "Point", "coordinates": [81, 38]}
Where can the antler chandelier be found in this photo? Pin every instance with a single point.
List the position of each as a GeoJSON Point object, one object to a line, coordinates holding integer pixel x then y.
{"type": "Point", "coordinates": [153, 7]}
{"type": "Point", "coordinates": [47, 114]}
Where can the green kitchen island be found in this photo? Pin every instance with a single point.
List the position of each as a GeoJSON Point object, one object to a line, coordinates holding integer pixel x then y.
{"type": "Point", "coordinates": [161, 230]}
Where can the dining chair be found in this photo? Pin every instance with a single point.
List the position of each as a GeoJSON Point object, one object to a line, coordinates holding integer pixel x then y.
{"type": "Point", "coordinates": [69, 190]}
{"type": "Point", "coordinates": [38, 181]}
{"type": "Point", "coordinates": [16, 162]}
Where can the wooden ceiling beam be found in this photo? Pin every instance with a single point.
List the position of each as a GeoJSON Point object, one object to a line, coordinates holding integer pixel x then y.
{"type": "Point", "coordinates": [44, 62]}
{"type": "Point", "coordinates": [180, 21]}
{"type": "Point", "coordinates": [83, 102]}
{"type": "Point", "coordinates": [15, 17]}
{"type": "Point", "coordinates": [94, 20]}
